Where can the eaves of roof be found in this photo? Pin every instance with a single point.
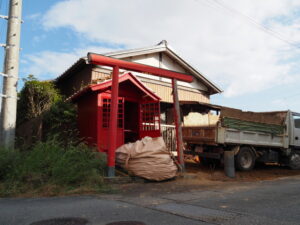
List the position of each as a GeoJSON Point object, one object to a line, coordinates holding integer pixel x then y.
{"type": "Point", "coordinates": [169, 51]}
{"type": "Point", "coordinates": [107, 84]}
{"type": "Point", "coordinates": [80, 63]}
{"type": "Point", "coordinates": [148, 50]}
{"type": "Point", "coordinates": [215, 89]}
{"type": "Point", "coordinates": [137, 51]}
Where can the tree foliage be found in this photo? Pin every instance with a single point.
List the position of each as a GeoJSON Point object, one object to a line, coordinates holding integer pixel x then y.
{"type": "Point", "coordinates": [35, 98]}
{"type": "Point", "coordinates": [60, 122]}
{"type": "Point", "coordinates": [42, 99]}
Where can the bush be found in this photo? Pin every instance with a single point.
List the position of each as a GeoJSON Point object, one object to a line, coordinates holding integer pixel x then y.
{"type": "Point", "coordinates": [35, 98]}
{"type": "Point", "coordinates": [8, 159]}
{"type": "Point", "coordinates": [60, 122]}
{"type": "Point", "coordinates": [49, 163]}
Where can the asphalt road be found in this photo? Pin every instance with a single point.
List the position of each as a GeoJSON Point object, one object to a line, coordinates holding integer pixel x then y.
{"type": "Point", "coordinates": [267, 202]}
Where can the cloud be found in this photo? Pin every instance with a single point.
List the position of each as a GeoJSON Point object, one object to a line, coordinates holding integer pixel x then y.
{"type": "Point", "coordinates": [226, 46]}
{"type": "Point", "coordinates": [50, 64]}
{"type": "Point", "coordinates": [39, 38]}
{"type": "Point", "coordinates": [33, 16]}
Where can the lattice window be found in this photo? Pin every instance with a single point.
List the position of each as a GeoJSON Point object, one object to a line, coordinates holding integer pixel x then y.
{"type": "Point", "coordinates": [150, 116]}
{"type": "Point", "coordinates": [106, 113]}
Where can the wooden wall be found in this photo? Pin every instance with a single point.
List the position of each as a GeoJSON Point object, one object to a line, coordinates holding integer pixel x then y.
{"type": "Point", "coordinates": [75, 82]}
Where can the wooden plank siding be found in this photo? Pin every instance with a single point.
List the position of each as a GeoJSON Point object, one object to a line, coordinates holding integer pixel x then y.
{"type": "Point", "coordinates": [100, 75]}
{"type": "Point", "coordinates": [165, 93]}
{"type": "Point", "coordinates": [160, 88]}
{"type": "Point", "coordinates": [78, 80]}
{"type": "Point", "coordinates": [95, 75]}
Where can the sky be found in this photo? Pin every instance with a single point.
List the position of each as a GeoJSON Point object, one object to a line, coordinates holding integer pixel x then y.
{"type": "Point", "coordinates": [248, 48]}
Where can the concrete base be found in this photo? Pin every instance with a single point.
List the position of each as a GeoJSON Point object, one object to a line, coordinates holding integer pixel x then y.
{"type": "Point", "coordinates": [229, 164]}
{"type": "Point", "coordinates": [111, 171]}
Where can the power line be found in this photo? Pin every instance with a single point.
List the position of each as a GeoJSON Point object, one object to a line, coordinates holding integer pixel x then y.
{"type": "Point", "coordinates": [263, 27]}
{"type": "Point", "coordinates": [220, 4]}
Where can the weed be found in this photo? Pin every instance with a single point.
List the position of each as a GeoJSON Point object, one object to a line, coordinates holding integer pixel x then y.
{"type": "Point", "coordinates": [52, 167]}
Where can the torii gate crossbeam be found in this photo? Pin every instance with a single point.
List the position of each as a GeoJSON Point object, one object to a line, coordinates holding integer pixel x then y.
{"type": "Point", "coordinates": [117, 64]}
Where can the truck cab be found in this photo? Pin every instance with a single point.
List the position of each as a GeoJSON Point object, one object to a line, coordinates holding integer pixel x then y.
{"type": "Point", "coordinates": [294, 121]}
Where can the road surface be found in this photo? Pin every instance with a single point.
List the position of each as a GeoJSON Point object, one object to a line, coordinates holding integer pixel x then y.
{"type": "Point", "coordinates": [260, 202]}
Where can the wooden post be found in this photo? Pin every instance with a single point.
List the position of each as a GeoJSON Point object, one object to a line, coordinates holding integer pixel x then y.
{"type": "Point", "coordinates": [113, 122]}
{"type": "Point", "coordinates": [179, 142]}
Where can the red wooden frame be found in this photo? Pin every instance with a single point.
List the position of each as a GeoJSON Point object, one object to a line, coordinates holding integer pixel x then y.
{"type": "Point", "coordinates": [108, 61]}
{"type": "Point", "coordinates": [149, 120]}
{"type": "Point", "coordinates": [116, 64]}
{"type": "Point", "coordinates": [103, 121]}
{"type": "Point", "coordinates": [98, 115]}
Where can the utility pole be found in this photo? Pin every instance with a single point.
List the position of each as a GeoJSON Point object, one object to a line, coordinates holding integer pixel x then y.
{"type": "Point", "coordinates": [10, 75]}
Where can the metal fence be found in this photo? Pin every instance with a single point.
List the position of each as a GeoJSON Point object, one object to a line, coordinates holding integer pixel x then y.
{"type": "Point", "coordinates": [168, 134]}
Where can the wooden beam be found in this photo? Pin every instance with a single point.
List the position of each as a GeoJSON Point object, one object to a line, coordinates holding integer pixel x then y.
{"type": "Point", "coordinates": [178, 130]}
{"type": "Point", "coordinates": [137, 67]}
{"type": "Point", "coordinates": [113, 122]}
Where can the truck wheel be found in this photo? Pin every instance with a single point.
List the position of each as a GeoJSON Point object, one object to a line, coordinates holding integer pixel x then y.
{"type": "Point", "coordinates": [245, 159]}
{"type": "Point", "coordinates": [294, 161]}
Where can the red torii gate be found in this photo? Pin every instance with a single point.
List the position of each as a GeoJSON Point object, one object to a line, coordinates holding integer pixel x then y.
{"type": "Point", "coordinates": [117, 64]}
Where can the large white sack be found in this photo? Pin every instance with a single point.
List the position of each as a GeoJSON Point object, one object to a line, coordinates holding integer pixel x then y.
{"type": "Point", "coordinates": [147, 158]}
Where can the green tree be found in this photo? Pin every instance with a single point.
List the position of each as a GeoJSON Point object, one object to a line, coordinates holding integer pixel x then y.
{"type": "Point", "coordinates": [35, 98]}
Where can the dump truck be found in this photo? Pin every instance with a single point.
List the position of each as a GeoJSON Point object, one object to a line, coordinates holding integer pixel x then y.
{"type": "Point", "coordinates": [265, 137]}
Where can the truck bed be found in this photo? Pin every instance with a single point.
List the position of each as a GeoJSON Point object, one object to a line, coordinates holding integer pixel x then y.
{"type": "Point", "coordinates": [214, 135]}
{"type": "Point", "coordinates": [237, 127]}
{"type": "Point", "coordinates": [200, 135]}
{"type": "Point", "coordinates": [234, 136]}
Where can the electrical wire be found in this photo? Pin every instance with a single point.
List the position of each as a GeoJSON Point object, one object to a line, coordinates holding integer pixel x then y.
{"type": "Point", "coordinates": [259, 25]}
{"type": "Point", "coordinates": [264, 28]}
{"type": "Point", "coordinates": [217, 4]}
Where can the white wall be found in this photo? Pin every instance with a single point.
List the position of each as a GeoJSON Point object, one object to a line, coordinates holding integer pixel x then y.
{"type": "Point", "coordinates": [166, 63]}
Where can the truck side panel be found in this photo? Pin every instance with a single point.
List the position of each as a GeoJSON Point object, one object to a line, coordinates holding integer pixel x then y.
{"type": "Point", "coordinates": [240, 137]}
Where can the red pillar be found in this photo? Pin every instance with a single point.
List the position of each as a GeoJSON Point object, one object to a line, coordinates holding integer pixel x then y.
{"type": "Point", "coordinates": [113, 125]}
{"type": "Point", "coordinates": [177, 119]}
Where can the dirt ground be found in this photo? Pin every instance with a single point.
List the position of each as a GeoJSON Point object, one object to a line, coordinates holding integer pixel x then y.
{"type": "Point", "coordinates": [260, 172]}
{"type": "Point", "coordinates": [204, 177]}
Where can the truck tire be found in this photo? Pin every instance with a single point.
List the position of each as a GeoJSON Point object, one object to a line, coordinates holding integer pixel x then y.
{"type": "Point", "coordinates": [245, 159]}
{"type": "Point", "coordinates": [294, 161]}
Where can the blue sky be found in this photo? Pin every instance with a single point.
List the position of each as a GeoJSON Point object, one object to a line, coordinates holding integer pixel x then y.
{"type": "Point", "coordinates": [256, 67]}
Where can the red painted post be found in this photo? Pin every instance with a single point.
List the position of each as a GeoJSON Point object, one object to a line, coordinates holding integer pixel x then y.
{"type": "Point", "coordinates": [178, 130]}
{"type": "Point", "coordinates": [113, 123]}
{"type": "Point", "coordinates": [116, 64]}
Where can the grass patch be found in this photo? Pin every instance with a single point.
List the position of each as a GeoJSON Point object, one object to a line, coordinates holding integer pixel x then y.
{"type": "Point", "coordinates": [51, 168]}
